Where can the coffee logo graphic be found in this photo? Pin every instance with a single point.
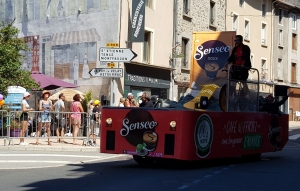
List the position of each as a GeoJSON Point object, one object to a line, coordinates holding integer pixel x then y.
{"type": "Point", "coordinates": [274, 133]}
{"type": "Point", "coordinates": [203, 135]}
{"type": "Point", "coordinates": [138, 129]}
{"type": "Point", "coordinates": [212, 56]}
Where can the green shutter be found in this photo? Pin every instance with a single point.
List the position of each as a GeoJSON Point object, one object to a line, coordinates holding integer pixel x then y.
{"type": "Point", "coordinates": [82, 6]}
{"type": "Point", "coordinates": [53, 8]}
{"type": "Point", "coordinates": [103, 4]}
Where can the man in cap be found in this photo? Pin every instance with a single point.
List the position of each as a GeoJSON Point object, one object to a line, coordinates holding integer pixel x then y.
{"type": "Point", "coordinates": [128, 102]}
{"type": "Point", "coordinates": [95, 122]}
{"type": "Point", "coordinates": [272, 106]}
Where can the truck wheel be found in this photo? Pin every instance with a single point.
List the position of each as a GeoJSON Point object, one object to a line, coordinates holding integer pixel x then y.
{"type": "Point", "coordinates": [252, 157]}
{"type": "Point", "coordinates": [143, 160]}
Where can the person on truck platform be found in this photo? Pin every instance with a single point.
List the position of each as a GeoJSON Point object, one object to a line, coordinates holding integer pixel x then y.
{"type": "Point", "coordinates": [271, 106]}
{"type": "Point", "coordinates": [240, 56]}
{"type": "Point", "coordinates": [146, 97]}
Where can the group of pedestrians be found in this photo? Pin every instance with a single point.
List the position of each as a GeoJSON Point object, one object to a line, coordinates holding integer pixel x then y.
{"type": "Point", "coordinates": [131, 102]}
{"type": "Point", "coordinates": [61, 118]}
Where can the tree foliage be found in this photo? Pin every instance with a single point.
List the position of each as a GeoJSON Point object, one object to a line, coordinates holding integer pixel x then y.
{"type": "Point", "coordinates": [87, 99]}
{"type": "Point", "coordinates": [11, 73]}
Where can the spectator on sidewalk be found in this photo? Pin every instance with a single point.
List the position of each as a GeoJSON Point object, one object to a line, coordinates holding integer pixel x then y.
{"type": "Point", "coordinates": [60, 118]}
{"type": "Point", "coordinates": [95, 122]}
{"type": "Point", "coordinates": [146, 97]}
{"type": "Point", "coordinates": [77, 109]}
{"type": "Point", "coordinates": [45, 106]}
{"type": "Point", "coordinates": [128, 102]}
{"type": "Point", "coordinates": [24, 117]}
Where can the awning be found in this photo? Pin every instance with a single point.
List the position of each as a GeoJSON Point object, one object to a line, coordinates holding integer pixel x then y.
{"type": "Point", "coordinates": [73, 37]}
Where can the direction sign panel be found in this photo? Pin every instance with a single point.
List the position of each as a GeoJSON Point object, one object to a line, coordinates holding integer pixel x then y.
{"type": "Point", "coordinates": [116, 54]}
{"type": "Point", "coordinates": [107, 72]}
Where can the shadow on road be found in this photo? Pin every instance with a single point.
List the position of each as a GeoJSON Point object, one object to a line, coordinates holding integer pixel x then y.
{"type": "Point", "coordinates": [123, 174]}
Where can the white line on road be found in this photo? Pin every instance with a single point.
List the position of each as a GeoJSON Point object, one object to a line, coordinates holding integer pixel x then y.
{"type": "Point", "coordinates": [61, 163]}
{"type": "Point", "coordinates": [50, 155]}
{"type": "Point", "coordinates": [294, 137]}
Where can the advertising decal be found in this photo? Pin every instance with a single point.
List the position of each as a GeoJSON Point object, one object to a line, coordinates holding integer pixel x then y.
{"type": "Point", "coordinates": [274, 133]}
{"type": "Point", "coordinates": [203, 135]}
{"type": "Point", "coordinates": [210, 53]}
{"type": "Point", "coordinates": [139, 130]}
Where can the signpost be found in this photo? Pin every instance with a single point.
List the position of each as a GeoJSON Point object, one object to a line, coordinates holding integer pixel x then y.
{"type": "Point", "coordinates": [107, 72]}
{"type": "Point", "coordinates": [116, 54]}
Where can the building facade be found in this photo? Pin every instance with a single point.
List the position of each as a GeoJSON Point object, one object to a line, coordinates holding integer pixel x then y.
{"type": "Point", "coordinates": [253, 20]}
{"type": "Point", "coordinates": [192, 16]}
{"type": "Point", "coordinates": [65, 36]}
{"type": "Point", "coordinates": [150, 70]}
{"type": "Point", "coordinates": [286, 53]}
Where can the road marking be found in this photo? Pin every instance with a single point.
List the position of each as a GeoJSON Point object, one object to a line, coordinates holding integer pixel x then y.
{"type": "Point", "coordinates": [50, 155]}
{"type": "Point", "coordinates": [206, 176]}
{"type": "Point", "coordinates": [183, 187]}
{"type": "Point", "coordinates": [294, 137]}
{"type": "Point", "coordinates": [65, 163]}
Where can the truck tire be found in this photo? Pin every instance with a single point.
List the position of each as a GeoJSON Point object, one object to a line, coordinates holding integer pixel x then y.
{"type": "Point", "coordinates": [143, 160]}
{"type": "Point", "coordinates": [252, 157]}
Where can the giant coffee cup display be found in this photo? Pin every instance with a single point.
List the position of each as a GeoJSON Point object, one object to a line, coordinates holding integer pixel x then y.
{"type": "Point", "coordinates": [211, 69]}
{"type": "Point", "coordinates": [212, 56]}
{"type": "Point", "coordinates": [150, 140]}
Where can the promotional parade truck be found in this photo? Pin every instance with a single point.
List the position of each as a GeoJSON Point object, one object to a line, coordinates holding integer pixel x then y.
{"type": "Point", "coordinates": [221, 120]}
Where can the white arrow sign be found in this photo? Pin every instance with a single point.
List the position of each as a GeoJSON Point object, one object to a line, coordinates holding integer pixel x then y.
{"type": "Point", "coordinates": [107, 72]}
{"type": "Point", "coordinates": [116, 54]}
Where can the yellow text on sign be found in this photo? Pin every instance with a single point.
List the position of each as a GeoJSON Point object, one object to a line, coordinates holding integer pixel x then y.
{"type": "Point", "coordinates": [112, 44]}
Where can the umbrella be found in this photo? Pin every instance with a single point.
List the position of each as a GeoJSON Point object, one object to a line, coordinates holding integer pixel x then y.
{"type": "Point", "coordinates": [50, 83]}
{"type": "Point", "coordinates": [68, 93]}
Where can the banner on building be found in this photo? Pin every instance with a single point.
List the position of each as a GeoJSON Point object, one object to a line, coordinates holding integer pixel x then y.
{"type": "Point", "coordinates": [138, 20]}
{"type": "Point", "coordinates": [210, 52]}
{"type": "Point", "coordinates": [32, 60]}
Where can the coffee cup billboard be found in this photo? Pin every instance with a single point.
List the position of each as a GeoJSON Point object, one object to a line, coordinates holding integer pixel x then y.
{"type": "Point", "coordinates": [210, 53]}
{"type": "Point", "coordinates": [139, 130]}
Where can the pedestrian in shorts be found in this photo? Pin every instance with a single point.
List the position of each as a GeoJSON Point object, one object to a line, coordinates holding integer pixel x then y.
{"type": "Point", "coordinates": [95, 122]}
{"type": "Point", "coordinates": [60, 118]}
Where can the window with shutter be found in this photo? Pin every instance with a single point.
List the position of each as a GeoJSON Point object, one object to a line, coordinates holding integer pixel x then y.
{"type": "Point", "coordinates": [293, 73]}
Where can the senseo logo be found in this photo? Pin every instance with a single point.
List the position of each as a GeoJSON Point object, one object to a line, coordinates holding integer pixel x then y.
{"type": "Point", "coordinates": [200, 52]}
{"type": "Point", "coordinates": [212, 56]}
{"type": "Point", "coordinates": [128, 126]}
{"type": "Point", "coordinates": [138, 125]}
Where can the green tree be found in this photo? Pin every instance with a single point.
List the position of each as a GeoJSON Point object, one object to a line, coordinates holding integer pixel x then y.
{"type": "Point", "coordinates": [87, 99]}
{"type": "Point", "coordinates": [11, 60]}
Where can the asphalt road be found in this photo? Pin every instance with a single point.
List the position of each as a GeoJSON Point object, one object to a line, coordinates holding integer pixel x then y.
{"type": "Point", "coordinates": [95, 171]}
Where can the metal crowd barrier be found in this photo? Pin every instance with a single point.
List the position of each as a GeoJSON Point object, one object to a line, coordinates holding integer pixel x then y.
{"type": "Point", "coordinates": [3, 125]}
{"type": "Point", "coordinates": [46, 125]}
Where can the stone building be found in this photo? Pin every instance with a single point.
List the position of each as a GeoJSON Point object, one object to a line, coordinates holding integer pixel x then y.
{"type": "Point", "coordinates": [286, 53]}
{"type": "Point", "coordinates": [65, 36]}
{"type": "Point", "coordinates": [191, 16]}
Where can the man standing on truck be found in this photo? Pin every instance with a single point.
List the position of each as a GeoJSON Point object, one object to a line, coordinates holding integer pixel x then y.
{"type": "Point", "coordinates": [240, 56]}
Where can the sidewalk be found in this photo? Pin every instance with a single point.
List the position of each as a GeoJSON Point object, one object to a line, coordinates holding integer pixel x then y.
{"type": "Point", "coordinates": [294, 125]}
{"type": "Point", "coordinates": [43, 146]}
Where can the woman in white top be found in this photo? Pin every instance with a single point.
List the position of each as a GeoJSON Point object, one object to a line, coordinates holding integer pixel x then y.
{"type": "Point", "coordinates": [121, 103]}
{"type": "Point", "coordinates": [24, 117]}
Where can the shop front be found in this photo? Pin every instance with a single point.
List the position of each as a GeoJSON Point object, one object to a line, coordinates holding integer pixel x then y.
{"type": "Point", "coordinates": [139, 78]}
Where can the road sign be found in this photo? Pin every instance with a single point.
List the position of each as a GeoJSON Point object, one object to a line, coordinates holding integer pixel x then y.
{"type": "Point", "coordinates": [107, 72]}
{"type": "Point", "coordinates": [112, 45]}
{"type": "Point", "coordinates": [116, 54]}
